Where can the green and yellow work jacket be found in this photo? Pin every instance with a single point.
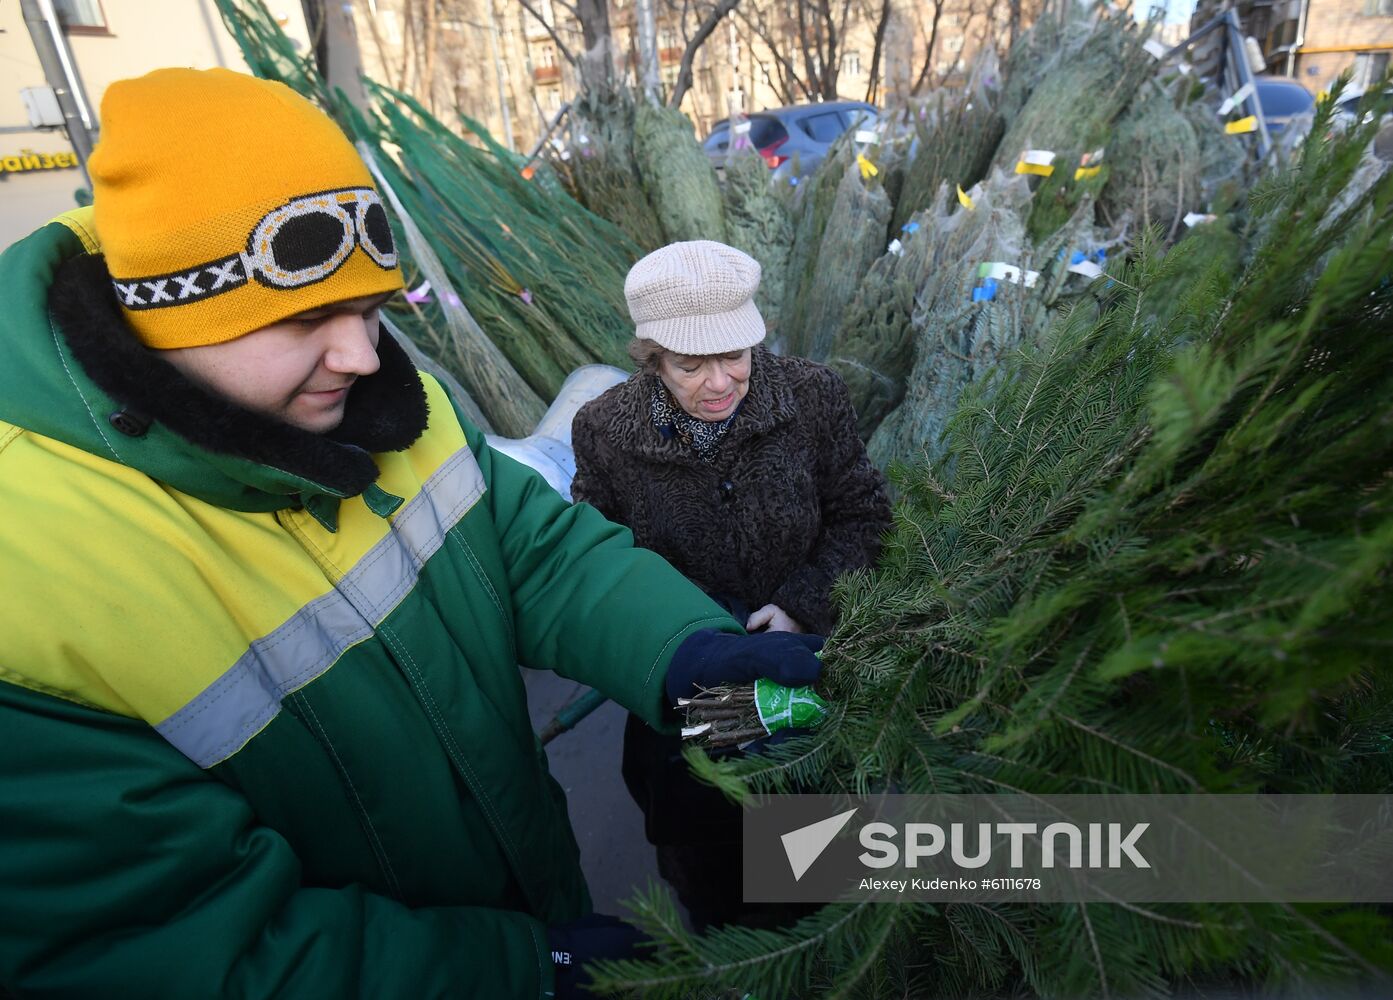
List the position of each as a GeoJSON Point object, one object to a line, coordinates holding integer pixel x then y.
{"type": "Point", "coordinates": [263, 731]}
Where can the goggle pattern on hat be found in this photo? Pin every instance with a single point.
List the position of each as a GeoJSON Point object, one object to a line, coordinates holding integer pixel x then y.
{"type": "Point", "coordinates": [303, 241]}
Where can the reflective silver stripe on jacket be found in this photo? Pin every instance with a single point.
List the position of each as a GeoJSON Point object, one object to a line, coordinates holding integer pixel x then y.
{"type": "Point", "coordinates": [224, 716]}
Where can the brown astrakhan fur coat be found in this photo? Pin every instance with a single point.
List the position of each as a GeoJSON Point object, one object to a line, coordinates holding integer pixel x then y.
{"type": "Point", "coordinates": [790, 503]}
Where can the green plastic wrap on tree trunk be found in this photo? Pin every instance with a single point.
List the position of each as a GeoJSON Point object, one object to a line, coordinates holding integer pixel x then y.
{"type": "Point", "coordinates": [782, 707]}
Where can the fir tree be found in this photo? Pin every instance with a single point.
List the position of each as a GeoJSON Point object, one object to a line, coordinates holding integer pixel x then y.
{"type": "Point", "coordinates": [1154, 557]}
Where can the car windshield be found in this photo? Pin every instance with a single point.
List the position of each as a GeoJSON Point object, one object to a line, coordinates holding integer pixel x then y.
{"type": "Point", "coordinates": [1284, 100]}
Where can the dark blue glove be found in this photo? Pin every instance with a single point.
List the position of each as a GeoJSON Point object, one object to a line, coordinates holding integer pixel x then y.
{"type": "Point", "coordinates": [592, 937]}
{"type": "Point", "coordinates": [709, 658]}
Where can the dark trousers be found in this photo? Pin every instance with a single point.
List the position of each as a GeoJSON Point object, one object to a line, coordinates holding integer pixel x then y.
{"type": "Point", "coordinates": [696, 830]}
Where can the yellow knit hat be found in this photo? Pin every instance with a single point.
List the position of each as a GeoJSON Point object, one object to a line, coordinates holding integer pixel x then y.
{"type": "Point", "coordinates": [225, 203]}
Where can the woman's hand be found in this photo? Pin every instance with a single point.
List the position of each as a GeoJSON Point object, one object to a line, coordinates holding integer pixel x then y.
{"type": "Point", "coordinates": [772, 618]}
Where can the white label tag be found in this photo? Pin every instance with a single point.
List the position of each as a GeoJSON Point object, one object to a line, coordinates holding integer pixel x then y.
{"type": "Point", "coordinates": [1155, 48]}
{"type": "Point", "coordinates": [866, 135]}
{"type": "Point", "coordinates": [1242, 94]}
{"type": "Point", "coordinates": [1087, 268]}
{"type": "Point", "coordinates": [1038, 157]}
{"type": "Point", "coordinates": [741, 128]}
{"type": "Point", "coordinates": [1011, 273]}
{"type": "Point", "coordinates": [1195, 218]}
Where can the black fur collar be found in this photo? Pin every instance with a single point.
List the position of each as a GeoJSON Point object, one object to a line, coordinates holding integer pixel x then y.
{"type": "Point", "coordinates": [386, 410]}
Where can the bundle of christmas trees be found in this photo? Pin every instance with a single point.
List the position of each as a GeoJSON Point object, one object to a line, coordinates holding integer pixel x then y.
{"type": "Point", "coordinates": [1109, 142]}
{"type": "Point", "coordinates": [1154, 555]}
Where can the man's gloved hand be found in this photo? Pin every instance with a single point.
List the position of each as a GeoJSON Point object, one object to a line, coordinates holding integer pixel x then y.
{"type": "Point", "coordinates": [588, 939]}
{"type": "Point", "coordinates": [709, 658]}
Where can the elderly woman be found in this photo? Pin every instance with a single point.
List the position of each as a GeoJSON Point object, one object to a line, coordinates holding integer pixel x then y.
{"type": "Point", "coordinates": [744, 470]}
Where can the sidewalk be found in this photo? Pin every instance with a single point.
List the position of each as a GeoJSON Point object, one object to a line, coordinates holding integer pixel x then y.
{"type": "Point", "coordinates": [615, 856]}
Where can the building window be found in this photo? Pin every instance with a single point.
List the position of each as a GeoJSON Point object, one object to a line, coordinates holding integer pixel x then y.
{"type": "Point", "coordinates": [851, 64]}
{"type": "Point", "coordinates": [667, 39]}
{"type": "Point", "coordinates": [553, 98]}
{"type": "Point", "coordinates": [1369, 69]}
{"type": "Point", "coordinates": [548, 55]}
{"type": "Point", "coordinates": [954, 44]}
{"type": "Point", "coordinates": [82, 16]}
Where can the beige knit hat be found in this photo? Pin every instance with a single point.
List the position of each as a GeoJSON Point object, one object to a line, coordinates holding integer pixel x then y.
{"type": "Point", "coordinates": [696, 298]}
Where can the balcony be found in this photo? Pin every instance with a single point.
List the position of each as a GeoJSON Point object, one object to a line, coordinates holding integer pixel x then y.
{"type": "Point", "coordinates": [546, 74]}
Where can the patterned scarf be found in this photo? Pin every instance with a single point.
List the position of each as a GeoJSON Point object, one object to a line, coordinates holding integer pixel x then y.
{"type": "Point", "coordinates": [704, 436]}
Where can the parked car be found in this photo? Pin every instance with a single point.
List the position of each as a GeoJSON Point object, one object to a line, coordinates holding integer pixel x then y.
{"type": "Point", "coordinates": [799, 134]}
{"type": "Point", "coordinates": [1346, 111]}
{"type": "Point", "coordinates": [1282, 99]}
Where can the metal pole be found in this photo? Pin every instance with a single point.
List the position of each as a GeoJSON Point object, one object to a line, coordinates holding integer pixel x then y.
{"type": "Point", "coordinates": [1300, 38]}
{"type": "Point", "coordinates": [1241, 74]}
{"type": "Point", "coordinates": [61, 72]}
{"type": "Point", "coordinates": [650, 79]}
{"type": "Point", "coordinates": [555, 121]}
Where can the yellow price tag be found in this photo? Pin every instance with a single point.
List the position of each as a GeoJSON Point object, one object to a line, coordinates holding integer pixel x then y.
{"type": "Point", "coordinates": [868, 169]}
{"type": "Point", "coordinates": [1086, 173]}
{"type": "Point", "coordinates": [1036, 161]}
{"type": "Point", "coordinates": [1249, 124]}
{"type": "Point", "coordinates": [965, 199]}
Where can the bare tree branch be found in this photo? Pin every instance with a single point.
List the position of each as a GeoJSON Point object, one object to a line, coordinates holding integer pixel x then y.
{"type": "Point", "coordinates": [932, 42]}
{"type": "Point", "coordinates": [555, 36]}
{"type": "Point", "coordinates": [873, 83]}
{"type": "Point", "coordinates": [684, 71]}
{"type": "Point", "coordinates": [788, 73]}
{"type": "Point", "coordinates": [804, 43]}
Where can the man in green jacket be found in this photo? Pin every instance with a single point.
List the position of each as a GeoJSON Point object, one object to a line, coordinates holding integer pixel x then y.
{"type": "Point", "coordinates": [266, 592]}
